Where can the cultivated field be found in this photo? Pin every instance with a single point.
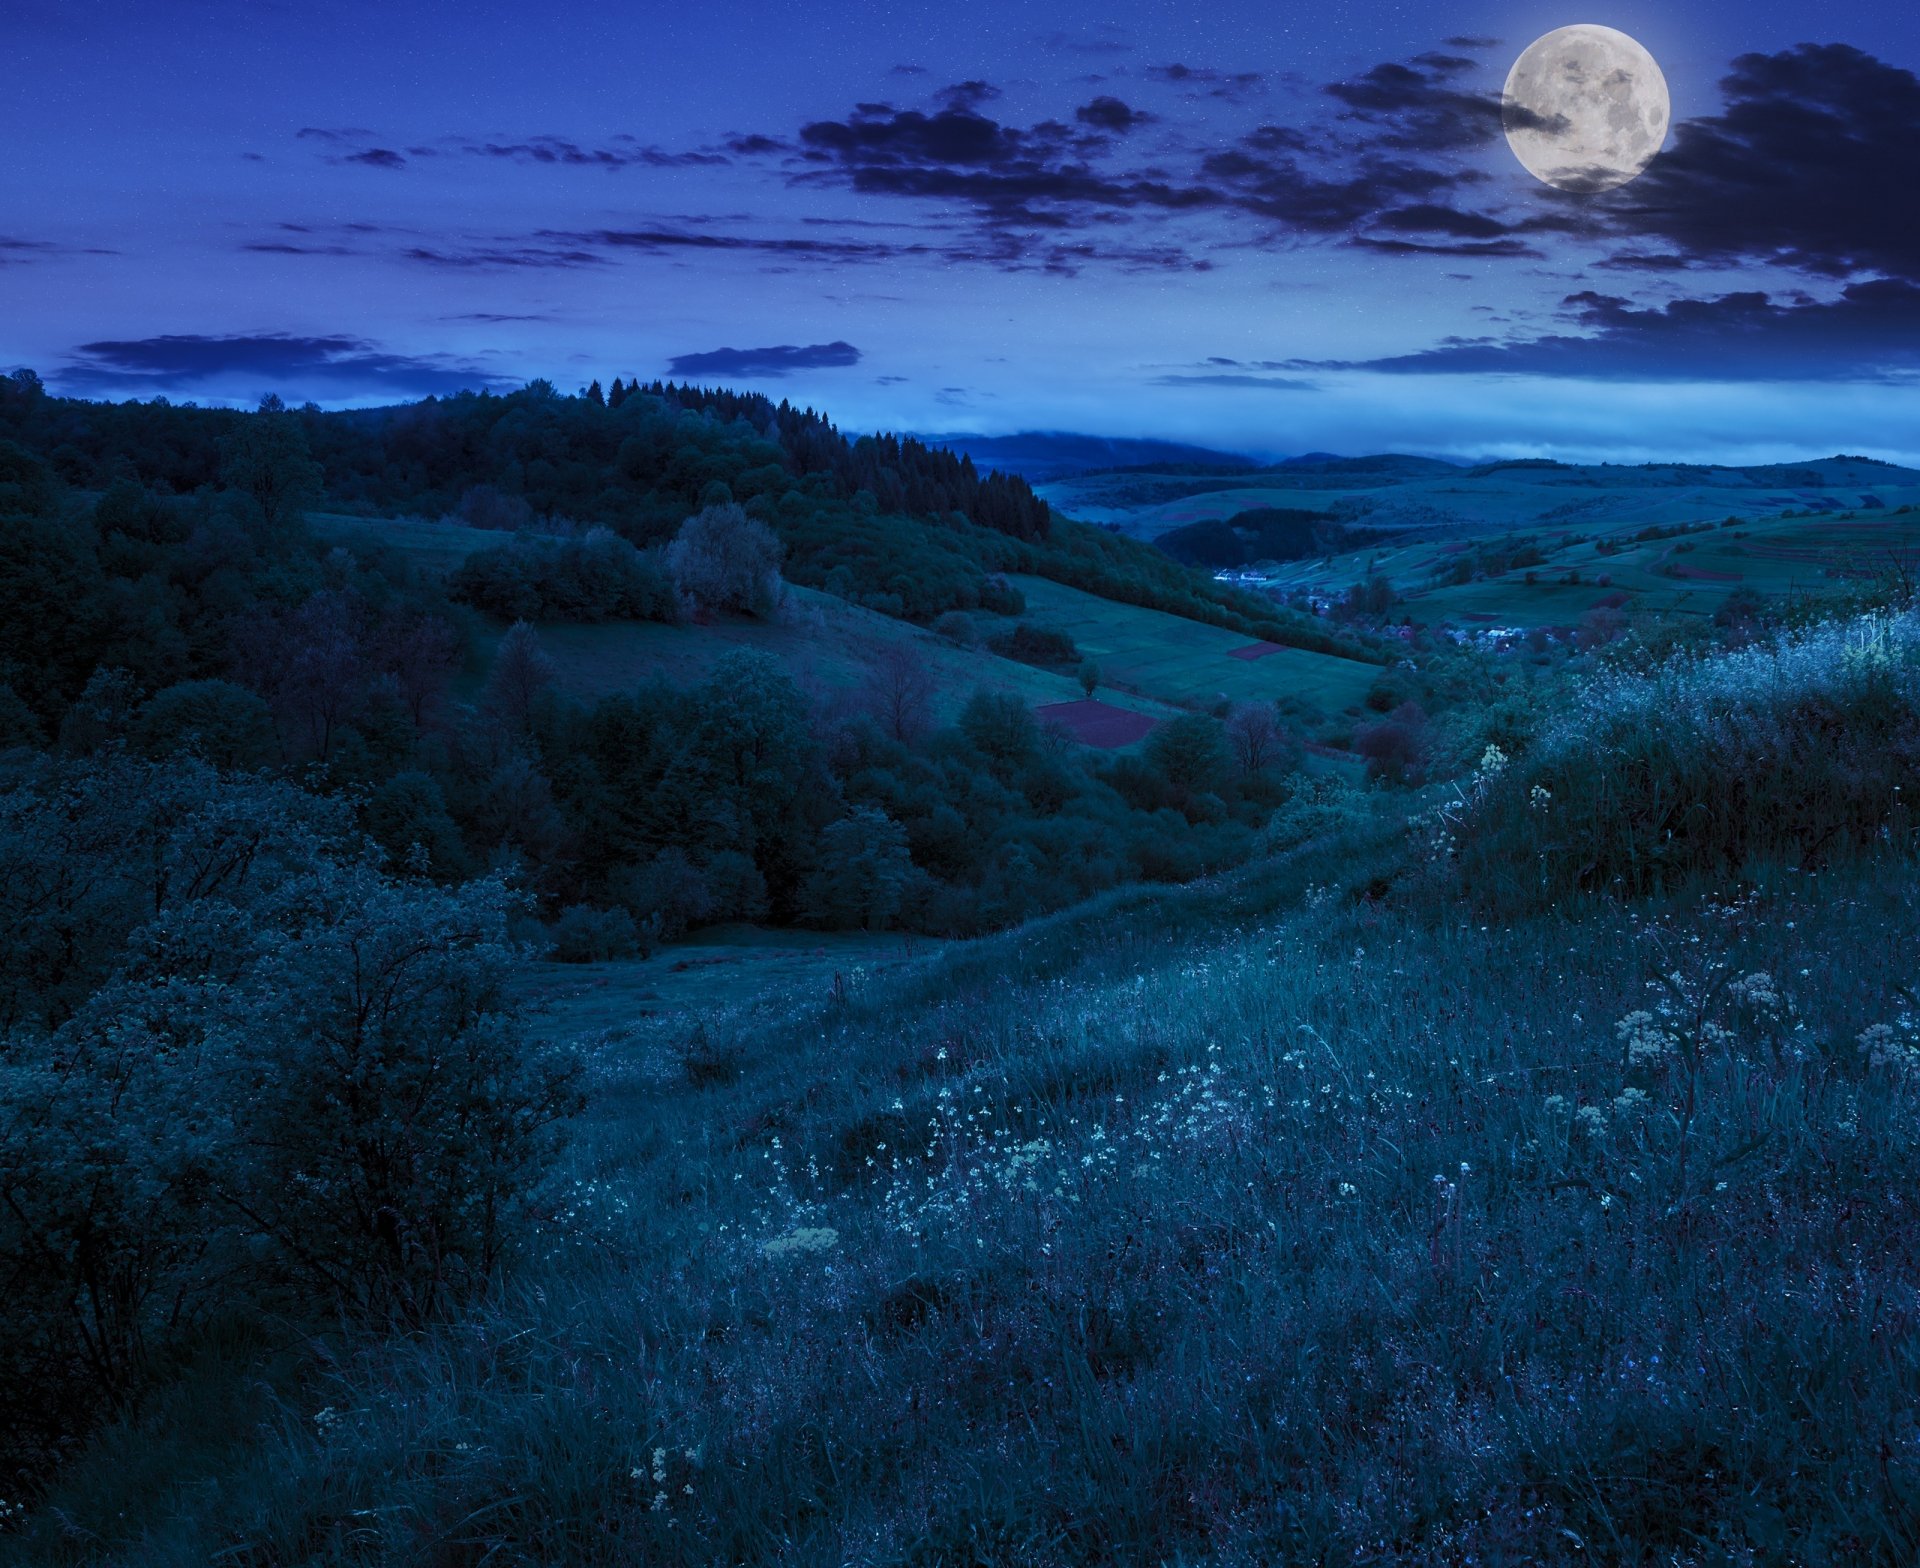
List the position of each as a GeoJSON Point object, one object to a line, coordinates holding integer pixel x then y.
{"type": "Point", "coordinates": [1181, 661]}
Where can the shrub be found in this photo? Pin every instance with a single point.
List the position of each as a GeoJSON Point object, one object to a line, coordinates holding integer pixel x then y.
{"type": "Point", "coordinates": [585, 935]}
{"type": "Point", "coordinates": [1796, 747]}
{"type": "Point", "coordinates": [600, 577]}
{"type": "Point", "coordinates": [1032, 644]}
{"type": "Point", "coordinates": [721, 559]}
{"type": "Point", "coordinates": [957, 627]}
{"type": "Point", "coordinates": [244, 1070]}
{"type": "Point", "coordinates": [1396, 747]}
{"type": "Point", "coordinates": [226, 724]}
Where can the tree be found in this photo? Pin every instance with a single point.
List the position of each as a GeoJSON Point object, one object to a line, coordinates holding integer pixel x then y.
{"type": "Point", "coordinates": [519, 679]}
{"type": "Point", "coordinates": [1089, 675]}
{"type": "Point", "coordinates": [226, 724]}
{"type": "Point", "coordinates": [899, 692]}
{"type": "Point", "coordinates": [863, 871]}
{"type": "Point", "coordinates": [1254, 733]}
{"type": "Point", "coordinates": [311, 662]}
{"type": "Point", "coordinates": [1396, 747]}
{"type": "Point", "coordinates": [265, 459]}
{"type": "Point", "coordinates": [721, 559]}
{"type": "Point", "coordinates": [421, 652]}
{"type": "Point", "coordinates": [1190, 753]}
{"type": "Point", "coordinates": [1001, 727]}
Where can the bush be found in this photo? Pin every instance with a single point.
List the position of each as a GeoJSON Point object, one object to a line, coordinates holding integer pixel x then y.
{"type": "Point", "coordinates": [1798, 747]}
{"type": "Point", "coordinates": [225, 724]}
{"type": "Point", "coordinates": [721, 559]}
{"type": "Point", "coordinates": [244, 1071]}
{"type": "Point", "coordinates": [1032, 644]}
{"type": "Point", "coordinates": [598, 578]}
{"type": "Point", "coordinates": [585, 935]}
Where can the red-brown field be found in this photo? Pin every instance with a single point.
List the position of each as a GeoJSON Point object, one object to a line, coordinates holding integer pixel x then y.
{"type": "Point", "coordinates": [1095, 723]}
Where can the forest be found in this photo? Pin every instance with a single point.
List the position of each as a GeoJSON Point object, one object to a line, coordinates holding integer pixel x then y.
{"type": "Point", "coordinates": [162, 597]}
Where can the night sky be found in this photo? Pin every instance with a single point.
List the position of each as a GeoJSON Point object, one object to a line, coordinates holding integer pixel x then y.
{"type": "Point", "coordinates": [1274, 227]}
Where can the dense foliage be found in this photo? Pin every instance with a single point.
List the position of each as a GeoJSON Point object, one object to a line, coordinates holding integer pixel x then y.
{"type": "Point", "coordinates": [210, 625]}
{"type": "Point", "coordinates": [887, 522]}
{"type": "Point", "coordinates": [241, 1069]}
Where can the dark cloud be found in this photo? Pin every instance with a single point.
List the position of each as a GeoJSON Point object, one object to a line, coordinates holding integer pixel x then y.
{"type": "Point", "coordinates": [1634, 261]}
{"type": "Point", "coordinates": [1429, 218]}
{"type": "Point", "coordinates": [1034, 177]}
{"type": "Point", "coordinates": [1497, 249]}
{"type": "Point", "coordinates": [321, 367]}
{"type": "Point", "coordinates": [662, 241]}
{"type": "Point", "coordinates": [1238, 379]}
{"type": "Point", "coordinates": [16, 252]}
{"type": "Point", "coordinates": [1382, 164]}
{"type": "Point", "coordinates": [512, 257]}
{"type": "Point", "coordinates": [1417, 107]}
{"type": "Point", "coordinates": [623, 152]}
{"type": "Point", "coordinates": [967, 95]}
{"type": "Point", "coordinates": [1110, 114]}
{"type": "Point", "coordinates": [620, 152]}
{"type": "Point", "coordinates": [295, 248]}
{"type": "Point", "coordinates": [908, 70]}
{"type": "Point", "coordinates": [1206, 82]}
{"type": "Point", "coordinates": [1813, 163]}
{"type": "Point", "coordinates": [1870, 331]}
{"type": "Point", "coordinates": [778, 361]}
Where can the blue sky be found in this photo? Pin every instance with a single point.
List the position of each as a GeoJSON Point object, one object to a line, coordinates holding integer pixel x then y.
{"type": "Point", "coordinates": [1274, 227]}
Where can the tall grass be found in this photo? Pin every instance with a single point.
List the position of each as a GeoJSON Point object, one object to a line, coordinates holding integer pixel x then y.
{"type": "Point", "coordinates": [1342, 1236]}
{"type": "Point", "coordinates": [1804, 747]}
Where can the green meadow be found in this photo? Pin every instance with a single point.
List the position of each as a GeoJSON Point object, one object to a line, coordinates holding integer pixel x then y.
{"type": "Point", "coordinates": [1181, 661]}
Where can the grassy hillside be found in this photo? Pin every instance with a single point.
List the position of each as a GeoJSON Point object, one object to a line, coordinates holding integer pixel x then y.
{"type": "Point", "coordinates": [1686, 573]}
{"type": "Point", "coordinates": [826, 643]}
{"type": "Point", "coordinates": [1412, 494]}
{"type": "Point", "coordinates": [1212, 1228]}
{"type": "Point", "coordinates": [1183, 661]}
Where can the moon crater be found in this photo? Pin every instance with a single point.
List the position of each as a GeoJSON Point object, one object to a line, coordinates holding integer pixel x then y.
{"type": "Point", "coordinates": [1586, 108]}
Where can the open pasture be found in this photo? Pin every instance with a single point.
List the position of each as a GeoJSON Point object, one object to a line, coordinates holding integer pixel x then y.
{"type": "Point", "coordinates": [1181, 661]}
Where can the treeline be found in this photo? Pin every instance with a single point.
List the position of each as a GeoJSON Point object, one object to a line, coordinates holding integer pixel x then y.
{"type": "Point", "coordinates": [884, 522]}
{"type": "Point", "coordinates": [1264, 533]}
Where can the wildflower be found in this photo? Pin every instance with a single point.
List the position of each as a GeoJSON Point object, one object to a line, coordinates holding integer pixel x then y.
{"type": "Point", "coordinates": [1631, 1101]}
{"type": "Point", "coordinates": [808, 1238]}
{"type": "Point", "coordinates": [1539, 797]}
{"type": "Point", "coordinates": [1756, 990]}
{"type": "Point", "coordinates": [1591, 1120]}
{"type": "Point", "coordinates": [1647, 1041]}
{"type": "Point", "coordinates": [1885, 1048]}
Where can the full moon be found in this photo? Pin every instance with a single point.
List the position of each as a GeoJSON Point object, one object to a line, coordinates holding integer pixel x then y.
{"type": "Point", "coordinates": [1586, 108]}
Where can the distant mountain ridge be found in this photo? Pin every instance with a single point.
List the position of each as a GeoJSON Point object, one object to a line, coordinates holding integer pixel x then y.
{"type": "Point", "coordinates": [1059, 454]}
